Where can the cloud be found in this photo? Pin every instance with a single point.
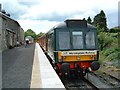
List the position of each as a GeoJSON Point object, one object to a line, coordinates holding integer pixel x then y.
{"type": "Point", "coordinates": [37, 26]}
{"type": "Point", "coordinates": [112, 19]}
{"type": "Point", "coordinates": [57, 10]}
{"type": "Point", "coordinates": [41, 15]}
{"type": "Point", "coordinates": [28, 3]}
{"type": "Point", "coordinates": [14, 8]}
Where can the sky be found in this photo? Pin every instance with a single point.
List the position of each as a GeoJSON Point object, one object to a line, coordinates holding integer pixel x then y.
{"type": "Point", "coordinates": [42, 15]}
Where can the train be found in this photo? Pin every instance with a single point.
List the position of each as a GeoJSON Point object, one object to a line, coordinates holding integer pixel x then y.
{"type": "Point", "coordinates": [73, 47]}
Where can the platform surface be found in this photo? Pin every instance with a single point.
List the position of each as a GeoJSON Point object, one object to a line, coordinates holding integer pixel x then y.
{"type": "Point", "coordinates": [48, 77]}
{"type": "Point", "coordinates": [28, 68]}
{"type": "Point", "coordinates": [17, 67]}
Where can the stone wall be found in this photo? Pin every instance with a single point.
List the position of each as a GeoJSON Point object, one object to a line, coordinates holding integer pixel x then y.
{"type": "Point", "coordinates": [11, 32]}
{"type": "Point", "coordinates": [0, 51]}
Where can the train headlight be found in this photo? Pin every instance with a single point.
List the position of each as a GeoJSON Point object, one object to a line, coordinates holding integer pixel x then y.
{"type": "Point", "coordinates": [78, 57]}
{"type": "Point", "coordinates": [64, 57]}
{"type": "Point", "coordinates": [91, 56]}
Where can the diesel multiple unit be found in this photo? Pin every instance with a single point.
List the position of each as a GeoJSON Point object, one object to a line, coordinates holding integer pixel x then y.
{"type": "Point", "coordinates": [73, 47]}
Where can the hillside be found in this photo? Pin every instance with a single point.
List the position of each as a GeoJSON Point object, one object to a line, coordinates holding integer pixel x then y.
{"type": "Point", "coordinates": [109, 47]}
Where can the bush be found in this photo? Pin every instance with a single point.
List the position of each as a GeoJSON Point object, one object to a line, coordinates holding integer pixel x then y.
{"type": "Point", "coordinates": [108, 44]}
{"type": "Point", "coordinates": [113, 56]}
{"type": "Point", "coordinates": [109, 51]}
{"type": "Point", "coordinates": [104, 40]}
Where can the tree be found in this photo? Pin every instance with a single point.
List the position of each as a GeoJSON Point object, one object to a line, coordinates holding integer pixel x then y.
{"type": "Point", "coordinates": [115, 30]}
{"type": "Point", "coordinates": [89, 20]}
{"type": "Point", "coordinates": [31, 33]}
{"type": "Point", "coordinates": [39, 35]}
{"type": "Point", "coordinates": [100, 21]}
{"type": "Point", "coordinates": [83, 18]}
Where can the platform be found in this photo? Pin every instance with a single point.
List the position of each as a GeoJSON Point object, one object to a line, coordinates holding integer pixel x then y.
{"type": "Point", "coordinates": [17, 66]}
{"type": "Point", "coordinates": [28, 68]}
{"type": "Point", "coordinates": [43, 74]}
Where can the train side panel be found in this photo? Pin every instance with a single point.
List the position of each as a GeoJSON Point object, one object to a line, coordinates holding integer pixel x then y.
{"type": "Point", "coordinates": [43, 41]}
{"type": "Point", "coordinates": [51, 44]}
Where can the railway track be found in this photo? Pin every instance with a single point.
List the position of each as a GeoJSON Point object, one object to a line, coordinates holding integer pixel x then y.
{"type": "Point", "coordinates": [93, 81]}
{"type": "Point", "coordinates": [103, 81]}
{"type": "Point", "coordinates": [111, 80]}
{"type": "Point", "coordinates": [78, 83]}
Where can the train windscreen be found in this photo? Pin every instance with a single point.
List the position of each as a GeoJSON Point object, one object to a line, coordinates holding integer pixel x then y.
{"type": "Point", "coordinates": [90, 40]}
{"type": "Point", "coordinates": [64, 40]}
{"type": "Point", "coordinates": [77, 40]}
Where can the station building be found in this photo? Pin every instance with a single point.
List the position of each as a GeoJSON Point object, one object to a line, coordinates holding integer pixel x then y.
{"type": "Point", "coordinates": [10, 31]}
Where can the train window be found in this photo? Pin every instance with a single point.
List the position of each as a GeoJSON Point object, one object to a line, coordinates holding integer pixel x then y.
{"type": "Point", "coordinates": [64, 40]}
{"type": "Point", "coordinates": [50, 43]}
{"type": "Point", "coordinates": [90, 40]}
{"type": "Point", "coordinates": [77, 40]}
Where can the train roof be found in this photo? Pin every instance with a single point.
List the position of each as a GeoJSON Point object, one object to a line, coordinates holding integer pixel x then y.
{"type": "Point", "coordinates": [73, 23]}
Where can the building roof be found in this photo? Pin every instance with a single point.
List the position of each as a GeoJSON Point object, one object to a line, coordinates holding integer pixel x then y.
{"type": "Point", "coordinates": [5, 16]}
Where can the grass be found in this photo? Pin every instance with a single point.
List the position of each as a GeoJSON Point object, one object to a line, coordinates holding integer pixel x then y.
{"type": "Point", "coordinates": [110, 50]}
